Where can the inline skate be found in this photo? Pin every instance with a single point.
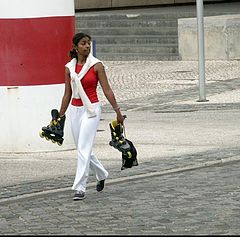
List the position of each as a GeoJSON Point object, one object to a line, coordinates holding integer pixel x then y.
{"type": "Point", "coordinates": [132, 161]}
{"type": "Point", "coordinates": [125, 146]}
{"type": "Point", "coordinates": [54, 131]}
{"type": "Point", "coordinates": [118, 140]}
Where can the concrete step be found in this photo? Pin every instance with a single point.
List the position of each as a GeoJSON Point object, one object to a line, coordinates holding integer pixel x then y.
{"type": "Point", "coordinates": [136, 39]}
{"type": "Point", "coordinates": [131, 23]}
{"type": "Point", "coordinates": [130, 31]}
{"type": "Point", "coordinates": [136, 57]}
{"type": "Point", "coordinates": [132, 36]}
{"type": "Point", "coordinates": [163, 49]}
{"type": "Point", "coordinates": [161, 15]}
{"type": "Point", "coordinates": [138, 16]}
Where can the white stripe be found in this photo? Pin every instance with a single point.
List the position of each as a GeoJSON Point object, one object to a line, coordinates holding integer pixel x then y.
{"type": "Point", "coordinates": [35, 101]}
{"type": "Point", "coordinates": [36, 8]}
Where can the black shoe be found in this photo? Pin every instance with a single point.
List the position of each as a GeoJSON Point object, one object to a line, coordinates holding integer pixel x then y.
{"type": "Point", "coordinates": [100, 185]}
{"type": "Point", "coordinates": [79, 195]}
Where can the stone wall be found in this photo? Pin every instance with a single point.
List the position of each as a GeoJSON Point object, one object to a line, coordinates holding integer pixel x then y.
{"type": "Point", "coordinates": [222, 34]}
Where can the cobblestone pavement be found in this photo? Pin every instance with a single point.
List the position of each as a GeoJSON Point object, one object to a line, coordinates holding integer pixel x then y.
{"type": "Point", "coordinates": [168, 81]}
{"type": "Point", "coordinates": [190, 193]}
{"type": "Point", "coordinates": [202, 202]}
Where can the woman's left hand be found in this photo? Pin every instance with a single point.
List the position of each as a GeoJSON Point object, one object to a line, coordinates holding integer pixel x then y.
{"type": "Point", "coordinates": [120, 117]}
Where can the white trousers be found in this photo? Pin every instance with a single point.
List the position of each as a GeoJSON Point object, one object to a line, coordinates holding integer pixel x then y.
{"type": "Point", "coordinates": [84, 131]}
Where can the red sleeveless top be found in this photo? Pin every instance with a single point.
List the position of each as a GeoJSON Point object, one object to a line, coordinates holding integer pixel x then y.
{"type": "Point", "coordinates": [89, 83]}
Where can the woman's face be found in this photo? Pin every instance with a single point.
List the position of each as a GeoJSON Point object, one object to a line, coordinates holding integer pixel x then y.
{"type": "Point", "coordinates": [84, 46]}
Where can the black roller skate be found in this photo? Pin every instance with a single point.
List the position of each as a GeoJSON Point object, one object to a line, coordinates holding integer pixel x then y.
{"type": "Point", "coordinates": [54, 131]}
{"type": "Point", "coordinates": [132, 161]}
{"type": "Point", "coordinates": [129, 153]}
{"type": "Point", "coordinates": [118, 140]}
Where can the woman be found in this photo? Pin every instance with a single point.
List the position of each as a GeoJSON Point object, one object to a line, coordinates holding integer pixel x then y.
{"type": "Point", "coordinates": [82, 75]}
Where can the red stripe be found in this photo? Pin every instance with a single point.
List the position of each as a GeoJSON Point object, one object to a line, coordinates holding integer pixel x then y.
{"type": "Point", "coordinates": [34, 51]}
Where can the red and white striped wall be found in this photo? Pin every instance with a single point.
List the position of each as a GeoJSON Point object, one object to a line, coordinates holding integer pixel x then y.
{"type": "Point", "coordinates": [36, 37]}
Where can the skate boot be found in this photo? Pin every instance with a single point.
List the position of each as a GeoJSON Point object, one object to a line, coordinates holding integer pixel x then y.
{"type": "Point", "coordinates": [54, 131]}
{"type": "Point", "coordinates": [132, 161]}
{"type": "Point", "coordinates": [118, 140]}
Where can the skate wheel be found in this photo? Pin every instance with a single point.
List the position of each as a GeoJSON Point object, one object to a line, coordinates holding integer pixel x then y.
{"type": "Point", "coordinates": [41, 134]}
{"type": "Point", "coordinates": [129, 154]}
{"type": "Point", "coordinates": [53, 141]}
{"type": "Point", "coordinates": [47, 138]}
{"type": "Point", "coordinates": [59, 143]}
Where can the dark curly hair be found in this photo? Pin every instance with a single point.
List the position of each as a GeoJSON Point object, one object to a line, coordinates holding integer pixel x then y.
{"type": "Point", "coordinates": [76, 38]}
